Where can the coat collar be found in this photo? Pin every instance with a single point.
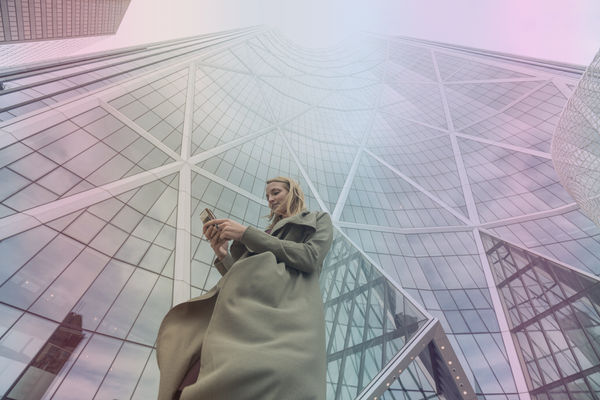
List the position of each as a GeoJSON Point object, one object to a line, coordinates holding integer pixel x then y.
{"type": "Point", "coordinates": [305, 218]}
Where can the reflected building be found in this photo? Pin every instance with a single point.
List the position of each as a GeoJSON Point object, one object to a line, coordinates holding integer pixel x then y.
{"type": "Point", "coordinates": [554, 314]}
{"type": "Point", "coordinates": [48, 362]}
{"type": "Point", "coordinates": [460, 267]}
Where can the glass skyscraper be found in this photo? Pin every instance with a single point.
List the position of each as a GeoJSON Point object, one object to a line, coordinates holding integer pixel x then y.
{"type": "Point", "coordinates": [460, 268]}
{"type": "Point", "coordinates": [32, 31]}
{"type": "Point", "coordinates": [32, 20]}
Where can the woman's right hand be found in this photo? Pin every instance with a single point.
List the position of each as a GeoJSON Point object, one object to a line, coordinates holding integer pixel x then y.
{"type": "Point", "coordinates": [219, 246]}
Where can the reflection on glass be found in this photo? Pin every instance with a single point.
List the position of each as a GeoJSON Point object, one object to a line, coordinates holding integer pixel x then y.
{"type": "Point", "coordinates": [555, 318]}
{"type": "Point", "coordinates": [64, 292]}
{"type": "Point", "coordinates": [48, 362]}
{"type": "Point", "coordinates": [412, 384]}
{"type": "Point", "coordinates": [367, 319]}
{"type": "Point", "coordinates": [24, 287]}
{"type": "Point", "coordinates": [124, 373]}
{"type": "Point", "coordinates": [89, 370]}
{"type": "Point", "coordinates": [147, 387]}
{"type": "Point", "coordinates": [127, 306]}
{"type": "Point", "coordinates": [158, 304]}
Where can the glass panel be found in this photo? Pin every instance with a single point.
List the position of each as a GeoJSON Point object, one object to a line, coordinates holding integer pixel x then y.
{"type": "Point", "coordinates": [364, 317]}
{"type": "Point", "coordinates": [560, 339]}
{"type": "Point", "coordinates": [127, 306]}
{"type": "Point", "coordinates": [102, 293]}
{"type": "Point", "coordinates": [124, 373]}
{"type": "Point", "coordinates": [146, 326]}
{"type": "Point", "coordinates": [91, 367]}
{"type": "Point", "coordinates": [24, 287]}
{"type": "Point", "coordinates": [20, 345]}
{"type": "Point", "coordinates": [66, 290]}
{"type": "Point", "coordinates": [147, 386]}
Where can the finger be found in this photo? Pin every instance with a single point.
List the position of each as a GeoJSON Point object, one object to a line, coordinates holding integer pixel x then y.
{"type": "Point", "coordinates": [207, 227]}
{"type": "Point", "coordinates": [216, 221]}
{"type": "Point", "coordinates": [214, 235]}
{"type": "Point", "coordinates": [208, 232]}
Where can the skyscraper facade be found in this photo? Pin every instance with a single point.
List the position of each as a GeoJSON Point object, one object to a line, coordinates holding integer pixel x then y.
{"type": "Point", "coordinates": [460, 267]}
{"type": "Point", "coordinates": [34, 31]}
{"type": "Point", "coordinates": [16, 55]}
{"type": "Point", "coordinates": [31, 20]}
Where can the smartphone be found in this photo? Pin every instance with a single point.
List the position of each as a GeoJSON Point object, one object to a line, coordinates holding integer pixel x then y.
{"type": "Point", "coordinates": [207, 215]}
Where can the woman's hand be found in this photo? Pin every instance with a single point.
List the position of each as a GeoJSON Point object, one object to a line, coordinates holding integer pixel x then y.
{"type": "Point", "coordinates": [220, 246]}
{"type": "Point", "coordinates": [219, 232]}
{"type": "Point", "coordinates": [225, 228]}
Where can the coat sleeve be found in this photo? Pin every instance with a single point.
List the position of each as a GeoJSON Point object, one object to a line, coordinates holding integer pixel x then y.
{"type": "Point", "coordinates": [224, 264]}
{"type": "Point", "coordinates": [236, 250]}
{"type": "Point", "coordinates": [306, 257]}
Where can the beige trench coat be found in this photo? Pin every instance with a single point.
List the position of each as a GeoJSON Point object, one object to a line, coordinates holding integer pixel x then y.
{"type": "Point", "coordinates": [260, 331]}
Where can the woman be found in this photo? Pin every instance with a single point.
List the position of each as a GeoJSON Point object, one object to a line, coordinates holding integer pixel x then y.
{"type": "Point", "coordinates": [259, 333]}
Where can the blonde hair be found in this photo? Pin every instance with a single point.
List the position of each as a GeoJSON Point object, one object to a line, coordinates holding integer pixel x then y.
{"type": "Point", "coordinates": [294, 203]}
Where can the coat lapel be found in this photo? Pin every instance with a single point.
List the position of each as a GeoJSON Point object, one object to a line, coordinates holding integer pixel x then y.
{"type": "Point", "coordinates": [305, 218]}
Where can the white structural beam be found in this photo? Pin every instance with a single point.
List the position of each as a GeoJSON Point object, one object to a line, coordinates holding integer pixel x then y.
{"type": "Point", "coordinates": [229, 185]}
{"type": "Point", "coordinates": [182, 268]}
{"type": "Point", "coordinates": [513, 359]}
{"type": "Point", "coordinates": [544, 256]}
{"type": "Point", "coordinates": [406, 231]}
{"type": "Point", "coordinates": [509, 343]}
{"type": "Point", "coordinates": [182, 274]}
{"type": "Point", "coordinates": [337, 212]}
{"type": "Point", "coordinates": [431, 334]}
{"type": "Point", "coordinates": [507, 146]}
{"type": "Point", "coordinates": [140, 131]}
{"type": "Point", "coordinates": [339, 206]}
{"type": "Point", "coordinates": [528, 217]}
{"type": "Point", "coordinates": [421, 189]}
{"type": "Point", "coordinates": [39, 215]}
{"type": "Point", "coordinates": [509, 105]}
{"type": "Point", "coordinates": [460, 166]}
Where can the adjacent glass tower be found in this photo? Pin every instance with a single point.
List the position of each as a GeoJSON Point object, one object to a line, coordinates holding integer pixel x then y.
{"type": "Point", "coordinates": [433, 161]}
{"type": "Point", "coordinates": [34, 30]}
{"type": "Point", "coordinates": [32, 20]}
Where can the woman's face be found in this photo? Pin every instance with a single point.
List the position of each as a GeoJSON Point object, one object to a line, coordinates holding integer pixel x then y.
{"type": "Point", "coordinates": [276, 195]}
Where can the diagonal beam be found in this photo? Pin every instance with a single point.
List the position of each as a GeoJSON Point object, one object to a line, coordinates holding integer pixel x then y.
{"type": "Point", "coordinates": [431, 334]}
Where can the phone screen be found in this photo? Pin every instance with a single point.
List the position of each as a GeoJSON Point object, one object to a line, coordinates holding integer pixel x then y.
{"type": "Point", "coordinates": [206, 215]}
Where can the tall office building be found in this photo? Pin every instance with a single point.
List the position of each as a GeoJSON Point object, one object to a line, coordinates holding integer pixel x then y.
{"type": "Point", "coordinates": [34, 31]}
{"type": "Point", "coordinates": [30, 20]}
{"type": "Point", "coordinates": [460, 267]}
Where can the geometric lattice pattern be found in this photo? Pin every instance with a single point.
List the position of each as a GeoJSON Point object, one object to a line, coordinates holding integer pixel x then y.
{"type": "Point", "coordinates": [576, 144]}
{"type": "Point", "coordinates": [367, 320]}
{"type": "Point", "coordinates": [433, 162]}
{"type": "Point", "coordinates": [554, 316]}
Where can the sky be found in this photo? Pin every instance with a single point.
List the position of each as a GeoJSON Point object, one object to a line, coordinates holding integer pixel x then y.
{"type": "Point", "coordinates": [557, 30]}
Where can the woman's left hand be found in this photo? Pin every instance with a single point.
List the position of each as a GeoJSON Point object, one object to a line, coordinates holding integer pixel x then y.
{"type": "Point", "coordinates": [228, 229]}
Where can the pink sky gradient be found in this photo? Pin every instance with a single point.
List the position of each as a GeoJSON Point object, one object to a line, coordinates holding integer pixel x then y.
{"type": "Point", "coordinates": [559, 30]}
